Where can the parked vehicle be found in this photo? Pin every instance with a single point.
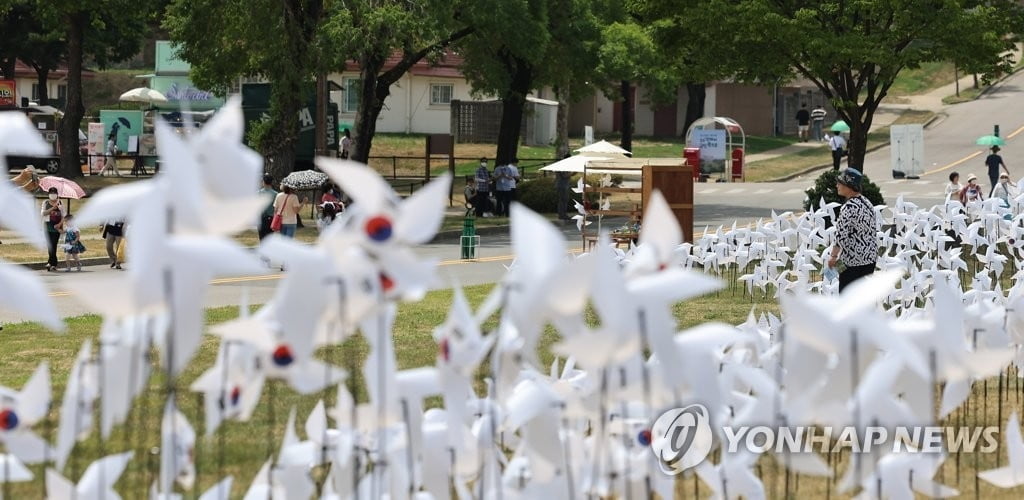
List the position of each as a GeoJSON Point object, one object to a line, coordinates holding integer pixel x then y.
{"type": "Point", "coordinates": [46, 119]}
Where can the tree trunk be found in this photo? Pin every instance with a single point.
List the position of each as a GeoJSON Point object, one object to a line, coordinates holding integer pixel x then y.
{"type": "Point", "coordinates": [370, 107]}
{"type": "Point", "coordinates": [278, 145]}
{"type": "Point", "coordinates": [74, 110]}
{"type": "Point", "coordinates": [859, 121]}
{"type": "Point", "coordinates": [512, 104]}
{"type": "Point", "coordinates": [696, 92]}
{"type": "Point", "coordinates": [7, 67]}
{"type": "Point", "coordinates": [42, 77]}
{"type": "Point", "coordinates": [626, 116]}
{"type": "Point", "coordinates": [562, 124]}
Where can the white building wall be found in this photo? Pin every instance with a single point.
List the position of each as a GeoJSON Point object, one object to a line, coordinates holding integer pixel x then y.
{"type": "Point", "coordinates": [407, 109]}
{"type": "Point", "coordinates": [643, 118]}
{"type": "Point", "coordinates": [24, 88]}
{"type": "Point", "coordinates": [604, 116]}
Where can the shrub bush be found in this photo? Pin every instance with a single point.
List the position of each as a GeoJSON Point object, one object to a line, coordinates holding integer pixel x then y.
{"type": "Point", "coordinates": [540, 195]}
{"type": "Point", "coordinates": [825, 187]}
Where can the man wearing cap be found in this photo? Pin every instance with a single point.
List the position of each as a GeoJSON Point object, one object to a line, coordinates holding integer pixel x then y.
{"type": "Point", "coordinates": [856, 231]}
{"type": "Point", "coordinates": [994, 161]}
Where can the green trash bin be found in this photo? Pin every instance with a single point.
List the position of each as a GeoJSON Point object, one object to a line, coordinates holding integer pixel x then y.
{"type": "Point", "coordinates": [469, 239]}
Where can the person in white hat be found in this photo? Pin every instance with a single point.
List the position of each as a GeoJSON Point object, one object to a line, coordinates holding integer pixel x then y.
{"type": "Point", "coordinates": [972, 191]}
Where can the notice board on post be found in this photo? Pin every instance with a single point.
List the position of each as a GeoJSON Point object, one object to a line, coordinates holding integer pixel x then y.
{"type": "Point", "coordinates": [676, 185]}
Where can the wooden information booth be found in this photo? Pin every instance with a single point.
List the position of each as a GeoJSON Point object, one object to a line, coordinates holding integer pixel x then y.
{"type": "Point", "coordinates": [668, 175]}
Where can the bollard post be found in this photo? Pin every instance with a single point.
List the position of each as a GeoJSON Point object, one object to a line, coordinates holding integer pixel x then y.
{"type": "Point", "coordinates": [468, 239]}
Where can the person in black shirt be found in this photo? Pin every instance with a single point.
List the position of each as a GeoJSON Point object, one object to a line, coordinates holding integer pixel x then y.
{"type": "Point", "coordinates": [994, 161]}
{"type": "Point", "coordinates": [803, 122]}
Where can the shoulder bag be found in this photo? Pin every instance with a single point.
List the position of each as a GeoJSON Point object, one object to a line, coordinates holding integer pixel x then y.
{"type": "Point", "coordinates": [277, 221]}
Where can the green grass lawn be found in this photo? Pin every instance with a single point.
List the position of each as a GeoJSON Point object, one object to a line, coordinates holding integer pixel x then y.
{"type": "Point", "coordinates": [239, 449]}
{"type": "Point", "coordinates": [920, 80]}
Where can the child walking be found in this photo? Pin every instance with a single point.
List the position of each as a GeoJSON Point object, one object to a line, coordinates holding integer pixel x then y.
{"type": "Point", "coordinates": [72, 244]}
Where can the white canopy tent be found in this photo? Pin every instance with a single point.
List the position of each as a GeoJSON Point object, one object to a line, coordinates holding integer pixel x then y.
{"type": "Point", "coordinates": [603, 148]}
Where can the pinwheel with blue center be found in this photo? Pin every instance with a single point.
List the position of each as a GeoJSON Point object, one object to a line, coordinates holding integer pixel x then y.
{"type": "Point", "coordinates": [232, 386]}
{"type": "Point", "coordinates": [20, 410]}
{"type": "Point", "coordinates": [97, 482]}
{"type": "Point", "coordinates": [274, 351]}
{"type": "Point", "coordinates": [386, 227]}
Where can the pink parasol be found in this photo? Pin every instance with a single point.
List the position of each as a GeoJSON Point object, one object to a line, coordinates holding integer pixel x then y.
{"type": "Point", "coordinates": [65, 188]}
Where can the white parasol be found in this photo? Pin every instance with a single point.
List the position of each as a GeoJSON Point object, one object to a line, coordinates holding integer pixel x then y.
{"type": "Point", "coordinates": [143, 94]}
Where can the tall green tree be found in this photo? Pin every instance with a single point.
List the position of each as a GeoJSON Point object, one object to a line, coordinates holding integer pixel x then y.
{"type": "Point", "coordinates": [689, 52]}
{"type": "Point", "coordinates": [853, 51]}
{"type": "Point", "coordinates": [280, 40]}
{"type": "Point", "coordinates": [627, 56]}
{"type": "Point", "coordinates": [522, 45]}
{"type": "Point", "coordinates": [372, 32]}
{"type": "Point", "coordinates": [103, 32]}
{"type": "Point", "coordinates": [16, 20]}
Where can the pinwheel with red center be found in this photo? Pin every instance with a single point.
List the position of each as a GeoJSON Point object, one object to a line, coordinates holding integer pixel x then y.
{"type": "Point", "coordinates": [644, 437]}
{"type": "Point", "coordinates": [20, 411]}
{"type": "Point", "coordinates": [379, 228]}
{"type": "Point", "coordinates": [282, 356]}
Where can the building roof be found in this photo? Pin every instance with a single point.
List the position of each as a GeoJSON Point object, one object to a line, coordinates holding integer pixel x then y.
{"type": "Point", "coordinates": [448, 66]}
{"type": "Point", "coordinates": [24, 70]}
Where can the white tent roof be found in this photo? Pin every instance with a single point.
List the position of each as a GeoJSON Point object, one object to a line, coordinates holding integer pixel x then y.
{"type": "Point", "coordinates": [603, 147]}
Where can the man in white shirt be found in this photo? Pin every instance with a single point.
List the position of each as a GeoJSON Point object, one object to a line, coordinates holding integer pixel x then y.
{"type": "Point", "coordinates": [505, 178]}
{"type": "Point", "coordinates": [818, 115]}
{"type": "Point", "coordinates": [838, 146]}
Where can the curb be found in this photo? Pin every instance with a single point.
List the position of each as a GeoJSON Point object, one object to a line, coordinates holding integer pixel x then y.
{"type": "Point", "coordinates": [454, 235]}
{"type": "Point", "coordinates": [872, 149]}
{"type": "Point", "coordinates": [39, 266]}
{"type": "Point", "coordinates": [440, 237]}
{"type": "Point", "coordinates": [999, 82]}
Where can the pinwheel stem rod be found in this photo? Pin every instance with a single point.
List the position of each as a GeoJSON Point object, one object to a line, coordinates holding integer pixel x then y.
{"type": "Point", "coordinates": [645, 377]}
{"type": "Point", "coordinates": [854, 382]}
{"type": "Point", "coordinates": [567, 450]}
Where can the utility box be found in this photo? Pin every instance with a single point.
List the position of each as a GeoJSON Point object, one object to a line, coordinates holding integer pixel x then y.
{"type": "Point", "coordinates": [692, 156]}
{"type": "Point", "coordinates": [737, 164]}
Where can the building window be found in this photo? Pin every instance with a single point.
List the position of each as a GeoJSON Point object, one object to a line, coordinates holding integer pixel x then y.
{"type": "Point", "coordinates": [62, 93]}
{"type": "Point", "coordinates": [441, 94]}
{"type": "Point", "coordinates": [35, 92]}
{"type": "Point", "coordinates": [350, 103]}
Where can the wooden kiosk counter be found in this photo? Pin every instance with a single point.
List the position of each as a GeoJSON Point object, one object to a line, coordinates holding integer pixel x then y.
{"type": "Point", "coordinates": [671, 176]}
